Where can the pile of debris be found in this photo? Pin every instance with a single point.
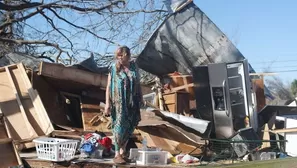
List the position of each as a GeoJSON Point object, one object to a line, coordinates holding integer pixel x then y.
{"type": "Point", "coordinates": [67, 102]}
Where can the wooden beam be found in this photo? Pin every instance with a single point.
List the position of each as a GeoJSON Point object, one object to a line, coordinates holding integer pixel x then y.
{"type": "Point", "coordinates": [287, 130]}
{"type": "Point", "coordinates": [61, 72]}
{"type": "Point", "coordinates": [263, 74]}
{"type": "Point", "coordinates": [182, 87]}
{"type": "Point", "coordinates": [2, 69]}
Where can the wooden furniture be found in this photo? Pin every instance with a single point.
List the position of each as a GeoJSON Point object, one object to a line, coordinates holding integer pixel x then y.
{"type": "Point", "coordinates": [182, 83]}
{"type": "Point", "coordinates": [177, 102]}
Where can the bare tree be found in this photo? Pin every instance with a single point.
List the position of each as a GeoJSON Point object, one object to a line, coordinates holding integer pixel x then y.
{"type": "Point", "coordinates": [280, 90]}
{"type": "Point", "coordinates": [67, 30]}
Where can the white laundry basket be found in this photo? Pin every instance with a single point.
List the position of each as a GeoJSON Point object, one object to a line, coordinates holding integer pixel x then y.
{"type": "Point", "coordinates": [55, 149]}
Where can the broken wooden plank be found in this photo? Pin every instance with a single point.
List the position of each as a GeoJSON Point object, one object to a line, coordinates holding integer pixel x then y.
{"type": "Point", "coordinates": [285, 130]}
{"type": "Point", "coordinates": [31, 113]}
{"type": "Point", "coordinates": [25, 120]}
{"type": "Point", "coordinates": [182, 87]}
{"type": "Point", "coordinates": [43, 118]}
{"type": "Point", "coordinates": [61, 72]}
{"type": "Point", "coordinates": [9, 156]}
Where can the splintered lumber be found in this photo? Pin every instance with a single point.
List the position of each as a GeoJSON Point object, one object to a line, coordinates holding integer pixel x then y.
{"type": "Point", "coordinates": [58, 71]}
{"type": "Point", "coordinates": [9, 156]}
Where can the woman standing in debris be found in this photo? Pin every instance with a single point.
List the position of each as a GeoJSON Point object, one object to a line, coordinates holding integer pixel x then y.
{"type": "Point", "coordinates": [123, 98]}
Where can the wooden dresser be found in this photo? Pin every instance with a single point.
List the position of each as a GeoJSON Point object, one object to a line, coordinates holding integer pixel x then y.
{"type": "Point", "coordinates": [177, 102]}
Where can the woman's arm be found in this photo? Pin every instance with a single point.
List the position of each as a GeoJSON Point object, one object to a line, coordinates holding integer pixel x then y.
{"type": "Point", "coordinates": [107, 95]}
{"type": "Point", "coordinates": [139, 86]}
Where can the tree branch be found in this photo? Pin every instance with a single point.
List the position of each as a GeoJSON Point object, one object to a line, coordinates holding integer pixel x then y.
{"type": "Point", "coordinates": [114, 3]}
{"type": "Point", "coordinates": [50, 21]}
{"type": "Point", "coordinates": [9, 22]}
{"type": "Point", "coordinates": [42, 56]}
{"type": "Point", "coordinates": [141, 10]}
{"type": "Point", "coordinates": [20, 42]}
{"type": "Point", "coordinates": [43, 42]}
{"type": "Point", "coordinates": [82, 28]}
{"type": "Point", "coordinates": [7, 7]}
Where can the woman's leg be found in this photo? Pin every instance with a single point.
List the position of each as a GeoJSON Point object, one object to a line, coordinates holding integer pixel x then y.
{"type": "Point", "coordinates": [118, 157]}
{"type": "Point", "coordinates": [123, 148]}
{"type": "Point", "coordinates": [117, 145]}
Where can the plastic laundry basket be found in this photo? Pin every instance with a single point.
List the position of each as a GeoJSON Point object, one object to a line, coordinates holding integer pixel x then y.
{"type": "Point", "coordinates": [55, 149]}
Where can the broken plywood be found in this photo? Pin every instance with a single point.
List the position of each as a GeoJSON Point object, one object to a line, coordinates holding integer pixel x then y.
{"type": "Point", "coordinates": [23, 118]}
{"type": "Point", "coordinates": [168, 135]}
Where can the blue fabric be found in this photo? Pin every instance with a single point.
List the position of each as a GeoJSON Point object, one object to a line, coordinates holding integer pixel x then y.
{"type": "Point", "coordinates": [87, 147]}
{"type": "Point", "coordinates": [125, 96]}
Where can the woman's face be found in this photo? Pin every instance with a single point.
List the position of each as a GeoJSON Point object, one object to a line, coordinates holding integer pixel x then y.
{"type": "Point", "coordinates": [122, 57]}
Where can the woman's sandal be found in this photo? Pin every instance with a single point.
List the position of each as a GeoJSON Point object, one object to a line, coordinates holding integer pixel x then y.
{"type": "Point", "coordinates": [119, 160]}
{"type": "Point", "coordinates": [127, 160]}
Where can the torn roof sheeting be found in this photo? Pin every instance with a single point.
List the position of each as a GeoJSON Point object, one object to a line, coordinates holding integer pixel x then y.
{"type": "Point", "coordinates": [185, 39]}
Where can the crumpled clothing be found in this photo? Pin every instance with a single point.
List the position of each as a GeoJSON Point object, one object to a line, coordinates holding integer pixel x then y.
{"type": "Point", "coordinates": [92, 142]}
{"type": "Point", "coordinates": [87, 148]}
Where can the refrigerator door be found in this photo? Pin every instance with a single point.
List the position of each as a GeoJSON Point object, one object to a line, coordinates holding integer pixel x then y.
{"type": "Point", "coordinates": [202, 93]}
{"type": "Point", "coordinates": [241, 95]}
{"type": "Point", "coordinates": [222, 114]}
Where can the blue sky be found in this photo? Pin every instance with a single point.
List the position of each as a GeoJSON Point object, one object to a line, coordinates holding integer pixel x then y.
{"type": "Point", "coordinates": [264, 31]}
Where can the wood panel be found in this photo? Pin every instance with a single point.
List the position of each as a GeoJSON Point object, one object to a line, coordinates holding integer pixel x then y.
{"type": "Point", "coordinates": [59, 71]}
{"type": "Point", "coordinates": [183, 80]}
{"type": "Point", "coordinates": [10, 108]}
{"type": "Point", "coordinates": [177, 102]}
{"type": "Point", "coordinates": [34, 122]}
{"type": "Point", "coordinates": [22, 118]}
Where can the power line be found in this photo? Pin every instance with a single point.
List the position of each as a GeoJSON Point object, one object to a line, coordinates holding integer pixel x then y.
{"type": "Point", "coordinates": [263, 62]}
{"type": "Point", "coordinates": [276, 67]}
{"type": "Point", "coordinates": [293, 70]}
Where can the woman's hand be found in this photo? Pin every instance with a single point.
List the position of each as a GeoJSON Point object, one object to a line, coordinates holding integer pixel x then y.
{"type": "Point", "coordinates": [107, 110]}
{"type": "Point", "coordinates": [142, 103]}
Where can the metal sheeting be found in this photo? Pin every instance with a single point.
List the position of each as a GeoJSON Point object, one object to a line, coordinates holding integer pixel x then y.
{"type": "Point", "coordinates": [185, 39]}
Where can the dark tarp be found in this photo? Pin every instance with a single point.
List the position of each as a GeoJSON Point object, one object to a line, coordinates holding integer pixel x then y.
{"type": "Point", "coordinates": [90, 64]}
{"type": "Point", "coordinates": [14, 58]}
{"type": "Point", "coordinates": [186, 39]}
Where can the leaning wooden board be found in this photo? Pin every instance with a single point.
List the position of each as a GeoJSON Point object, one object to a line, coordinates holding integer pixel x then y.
{"type": "Point", "coordinates": [22, 119]}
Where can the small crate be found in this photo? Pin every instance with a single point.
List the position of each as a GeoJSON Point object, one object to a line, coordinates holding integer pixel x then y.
{"type": "Point", "coordinates": [134, 153]}
{"type": "Point", "coordinates": [55, 149]}
{"type": "Point", "coordinates": [152, 158]}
